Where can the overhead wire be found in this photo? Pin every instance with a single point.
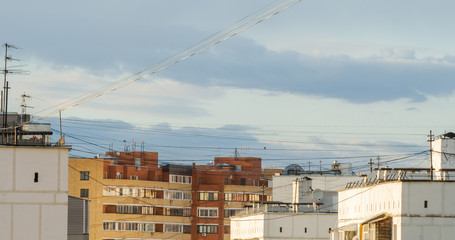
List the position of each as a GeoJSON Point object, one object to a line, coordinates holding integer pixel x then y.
{"type": "Point", "coordinates": [219, 37]}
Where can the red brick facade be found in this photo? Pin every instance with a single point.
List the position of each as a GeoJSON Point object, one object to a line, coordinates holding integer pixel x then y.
{"type": "Point", "coordinates": [208, 184]}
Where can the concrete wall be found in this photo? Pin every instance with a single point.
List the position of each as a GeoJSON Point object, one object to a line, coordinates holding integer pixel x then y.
{"type": "Point", "coordinates": [283, 226]}
{"type": "Point", "coordinates": [420, 209]}
{"type": "Point", "coordinates": [33, 209]}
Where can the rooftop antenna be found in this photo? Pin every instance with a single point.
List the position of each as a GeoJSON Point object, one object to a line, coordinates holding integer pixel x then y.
{"type": "Point", "coordinates": [236, 154]}
{"type": "Point", "coordinates": [6, 71]}
{"type": "Point", "coordinates": [24, 106]}
{"type": "Point", "coordinates": [371, 165]}
{"type": "Point", "coordinates": [61, 141]}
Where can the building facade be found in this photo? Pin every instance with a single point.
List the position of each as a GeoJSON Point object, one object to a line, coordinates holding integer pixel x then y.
{"type": "Point", "coordinates": [266, 225]}
{"type": "Point", "coordinates": [33, 184]}
{"type": "Point", "coordinates": [402, 203]}
{"type": "Point", "coordinates": [132, 197]}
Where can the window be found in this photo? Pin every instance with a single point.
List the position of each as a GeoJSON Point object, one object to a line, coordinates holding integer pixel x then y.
{"type": "Point", "coordinates": [242, 181]}
{"type": "Point", "coordinates": [207, 196]}
{"type": "Point", "coordinates": [207, 229]}
{"type": "Point", "coordinates": [186, 228]}
{"type": "Point", "coordinates": [36, 177]}
{"type": "Point", "coordinates": [178, 195]}
{"type": "Point", "coordinates": [425, 204]}
{"type": "Point", "coordinates": [183, 212]}
{"type": "Point", "coordinates": [173, 228]}
{"type": "Point", "coordinates": [84, 193]}
{"type": "Point", "coordinates": [85, 175]}
{"type": "Point", "coordinates": [180, 179]}
{"type": "Point", "coordinates": [119, 175]}
{"type": "Point", "coordinates": [148, 227]}
{"type": "Point", "coordinates": [207, 212]}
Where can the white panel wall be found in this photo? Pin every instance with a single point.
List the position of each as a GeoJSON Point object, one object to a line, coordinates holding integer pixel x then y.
{"type": "Point", "coordinates": [45, 163]}
{"type": "Point", "coordinates": [6, 170]}
{"type": "Point", "coordinates": [5, 221]}
{"type": "Point", "coordinates": [28, 209]}
{"type": "Point", "coordinates": [413, 219]}
{"type": "Point", "coordinates": [283, 226]}
{"type": "Point", "coordinates": [26, 222]}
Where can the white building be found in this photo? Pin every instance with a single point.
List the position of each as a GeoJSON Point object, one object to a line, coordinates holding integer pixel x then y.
{"type": "Point", "coordinates": [397, 210]}
{"type": "Point", "coordinates": [33, 186]}
{"type": "Point", "coordinates": [304, 206]}
{"type": "Point", "coordinates": [402, 205]}
{"type": "Point", "coordinates": [270, 226]}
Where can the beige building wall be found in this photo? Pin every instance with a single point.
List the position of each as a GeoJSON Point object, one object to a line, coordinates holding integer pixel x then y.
{"type": "Point", "coordinates": [95, 185]}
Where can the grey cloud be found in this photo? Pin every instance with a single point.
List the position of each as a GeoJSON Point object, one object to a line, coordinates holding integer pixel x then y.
{"type": "Point", "coordinates": [113, 37]}
{"type": "Point", "coordinates": [244, 64]}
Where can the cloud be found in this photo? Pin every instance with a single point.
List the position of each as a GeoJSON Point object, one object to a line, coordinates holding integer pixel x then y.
{"type": "Point", "coordinates": [106, 39]}
{"type": "Point", "coordinates": [392, 75]}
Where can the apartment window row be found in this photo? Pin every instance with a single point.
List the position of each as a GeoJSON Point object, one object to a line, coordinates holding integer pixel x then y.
{"type": "Point", "coordinates": [207, 196]}
{"type": "Point", "coordinates": [146, 227]}
{"type": "Point", "coordinates": [208, 229]}
{"type": "Point", "coordinates": [180, 179]}
{"type": "Point", "coordinates": [207, 212]}
{"type": "Point", "coordinates": [246, 197]}
{"type": "Point", "coordinates": [147, 193]}
{"type": "Point", "coordinates": [129, 226]}
{"type": "Point", "coordinates": [128, 209]}
{"type": "Point", "coordinates": [177, 228]}
{"type": "Point", "coordinates": [147, 210]}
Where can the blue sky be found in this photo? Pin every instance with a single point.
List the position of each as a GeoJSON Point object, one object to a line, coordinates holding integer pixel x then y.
{"type": "Point", "coordinates": [376, 75]}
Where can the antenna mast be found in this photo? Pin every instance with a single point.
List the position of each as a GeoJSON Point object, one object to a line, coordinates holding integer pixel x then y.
{"type": "Point", "coordinates": [4, 95]}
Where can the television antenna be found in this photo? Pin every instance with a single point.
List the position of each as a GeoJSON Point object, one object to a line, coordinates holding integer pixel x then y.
{"type": "Point", "coordinates": [6, 71]}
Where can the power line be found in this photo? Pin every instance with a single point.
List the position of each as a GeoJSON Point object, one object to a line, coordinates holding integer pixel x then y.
{"type": "Point", "coordinates": [217, 38]}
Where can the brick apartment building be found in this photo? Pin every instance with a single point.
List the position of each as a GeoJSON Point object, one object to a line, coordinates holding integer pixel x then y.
{"type": "Point", "coordinates": [133, 197]}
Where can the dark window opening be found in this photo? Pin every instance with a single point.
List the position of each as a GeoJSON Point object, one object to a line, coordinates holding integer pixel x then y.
{"type": "Point", "coordinates": [243, 181]}
{"type": "Point", "coordinates": [85, 175]}
{"type": "Point", "coordinates": [281, 229]}
{"type": "Point", "coordinates": [84, 193]}
{"type": "Point", "coordinates": [425, 204]}
{"type": "Point", "coordinates": [305, 230]}
{"type": "Point", "coordinates": [36, 177]}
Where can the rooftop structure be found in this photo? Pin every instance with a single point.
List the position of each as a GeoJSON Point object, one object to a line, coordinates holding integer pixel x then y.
{"type": "Point", "coordinates": [297, 186]}
{"type": "Point", "coordinates": [19, 132]}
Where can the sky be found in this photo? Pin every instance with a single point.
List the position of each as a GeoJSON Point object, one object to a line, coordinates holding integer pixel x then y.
{"type": "Point", "coordinates": [318, 82]}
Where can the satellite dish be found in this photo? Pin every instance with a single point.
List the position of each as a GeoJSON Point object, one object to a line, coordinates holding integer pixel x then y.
{"type": "Point", "coordinates": [317, 195]}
